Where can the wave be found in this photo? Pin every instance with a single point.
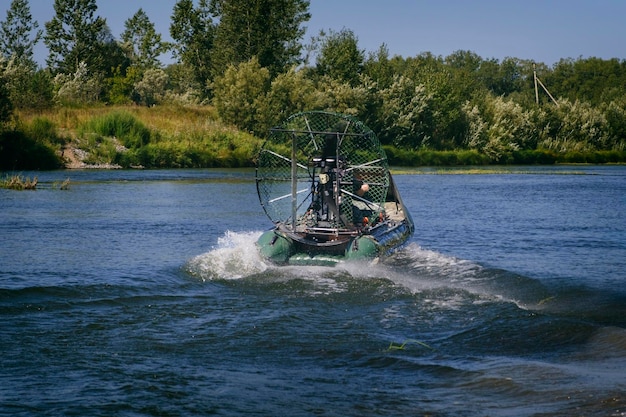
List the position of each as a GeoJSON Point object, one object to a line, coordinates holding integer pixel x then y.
{"type": "Point", "coordinates": [416, 269]}
{"type": "Point", "coordinates": [421, 269]}
{"type": "Point", "coordinates": [443, 280]}
{"type": "Point", "coordinates": [413, 269]}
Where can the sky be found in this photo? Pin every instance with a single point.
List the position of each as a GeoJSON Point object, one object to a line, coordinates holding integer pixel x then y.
{"type": "Point", "coordinates": [544, 31]}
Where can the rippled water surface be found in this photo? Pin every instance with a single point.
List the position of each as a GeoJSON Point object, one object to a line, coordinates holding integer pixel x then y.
{"type": "Point", "coordinates": [140, 293]}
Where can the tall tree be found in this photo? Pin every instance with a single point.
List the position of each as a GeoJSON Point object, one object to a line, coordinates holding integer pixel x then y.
{"type": "Point", "coordinates": [502, 78]}
{"type": "Point", "coordinates": [340, 57]}
{"type": "Point", "coordinates": [378, 67]}
{"type": "Point", "coordinates": [76, 34]}
{"type": "Point", "coordinates": [16, 33]}
{"type": "Point", "coordinates": [267, 29]}
{"type": "Point", "coordinates": [591, 79]}
{"type": "Point", "coordinates": [193, 30]}
{"type": "Point", "coordinates": [142, 42]}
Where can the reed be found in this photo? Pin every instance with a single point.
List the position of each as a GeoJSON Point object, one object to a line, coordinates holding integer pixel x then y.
{"type": "Point", "coordinates": [18, 182]}
{"type": "Point", "coordinates": [65, 185]}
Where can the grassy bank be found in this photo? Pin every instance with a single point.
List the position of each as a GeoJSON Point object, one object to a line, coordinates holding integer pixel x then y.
{"type": "Point", "coordinates": [133, 136]}
{"type": "Point", "coordinates": [172, 136]}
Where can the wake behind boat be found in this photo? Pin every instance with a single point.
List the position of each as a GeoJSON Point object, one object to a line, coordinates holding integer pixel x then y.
{"type": "Point", "coordinates": [324, 181]}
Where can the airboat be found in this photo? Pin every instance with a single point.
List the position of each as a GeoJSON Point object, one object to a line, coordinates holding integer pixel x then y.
{"type": "Point", "coordinates": [323, 179]}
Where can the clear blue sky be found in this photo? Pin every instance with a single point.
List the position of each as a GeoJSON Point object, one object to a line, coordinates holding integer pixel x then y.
{"type": "Point", "coordinates": [540, 30]}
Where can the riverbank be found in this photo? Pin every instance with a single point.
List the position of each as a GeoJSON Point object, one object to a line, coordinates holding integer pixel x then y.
{"type": "Point", "coordinates": [170, 136]}
{"type": "Point", "coordinates": [74, 158]}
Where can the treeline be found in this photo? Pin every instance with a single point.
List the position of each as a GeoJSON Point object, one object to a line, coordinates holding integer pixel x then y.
{"type": "Point", "coordinates": [246, 60]}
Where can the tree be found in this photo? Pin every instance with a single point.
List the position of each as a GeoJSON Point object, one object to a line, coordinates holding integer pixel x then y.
{"type": "Point", "coordinates": [340, 57]}
{"type": "Point", "coordinates": [240, 92]}
{"type": "Point", "coordinates": [406, 114]}
{"type": "Point", "coordinates": [27, 87]}
{"type": "Point", "coordinates": [289, 93]}
{"type": "Point", "coordinates": [591, 79]}
{"type": "Point", "coordinates": [446, 85]}
{"type": "Point", "coordinates": [194, 32]}
{"type": "Point", "coordinates": [268, 29]}
{"type": "Point", "coordinates": [110, 56]}
{"type": "Point", "coordinates": [502, 78]}
{"type": "Point", "coordinates": [144, 45]}
{"type": "Point", "coordinates": [378, 67]}
{"type": "Point", "coordinates": [16, 31]}
{"type": "Point", "coordinates": [76, 35]}
{"type": "Point", "coordinates": [466, 60]}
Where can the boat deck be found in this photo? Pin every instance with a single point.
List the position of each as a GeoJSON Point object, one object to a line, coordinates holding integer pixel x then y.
{"type": "Point", "coordinates": [394, 211]}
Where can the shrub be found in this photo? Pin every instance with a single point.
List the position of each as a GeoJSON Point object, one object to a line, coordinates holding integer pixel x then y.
{"type": "Point", "coordinates": [534, 157]}
{"type": "Point", "coordinates": [151, 88]}
{"type": "Point", "coordinates": [289, 93]}
{"type": "Point", "coordinates": [123, 126]}
{"type": "Point", "coordinates": [576, 128]}
{"type": "Point", "coordinates": [499, 127]}
{"type": "Point", "coordinates": [6, 106]}
{"type": "Point", "coordinates": [27, 87]}
{"type": "Point", "coordinates": [406, 114]}
{"type": "Point", "coordinates": [471, 157]}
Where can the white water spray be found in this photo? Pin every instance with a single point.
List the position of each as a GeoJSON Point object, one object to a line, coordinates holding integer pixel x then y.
{"type": "Point", "coordinates": [235, 256]}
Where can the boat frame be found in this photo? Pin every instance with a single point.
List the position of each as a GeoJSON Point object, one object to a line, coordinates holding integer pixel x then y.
{"type": "Point", "coordinates": [334, 222]}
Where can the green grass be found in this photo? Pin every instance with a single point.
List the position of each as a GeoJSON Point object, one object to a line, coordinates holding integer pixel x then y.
{"type": "Point", "coordinates": [124, 126]}
{"type": "Point", "coordinates": [169, 136]}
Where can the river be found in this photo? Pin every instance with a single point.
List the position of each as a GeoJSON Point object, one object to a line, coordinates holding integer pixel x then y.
{"type": "Point", "coordinates": [140, 293]}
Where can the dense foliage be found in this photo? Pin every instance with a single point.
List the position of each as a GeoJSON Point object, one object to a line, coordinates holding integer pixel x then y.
{"type": "Point", "coordinates": [245, 63]}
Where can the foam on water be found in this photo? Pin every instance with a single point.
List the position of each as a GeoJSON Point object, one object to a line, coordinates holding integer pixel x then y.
{"type": "Point", "coordinates": [456, 282]}
{"type": "Point", "coordinates": [235, 256]}
{"type": "Point", "coordinates": [417, 269]}
{"type": "Point", "coordinates": [433, 269]}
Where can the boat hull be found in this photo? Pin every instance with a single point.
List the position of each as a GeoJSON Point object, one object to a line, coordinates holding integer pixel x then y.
{"type": "Point", "coordinates": [284, 248]}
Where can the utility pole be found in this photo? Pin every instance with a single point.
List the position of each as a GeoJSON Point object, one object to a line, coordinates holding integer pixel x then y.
{"type": "Point", "coordinates": [537, 80]}
{"type": "Point", "coordinates": [535, 76]}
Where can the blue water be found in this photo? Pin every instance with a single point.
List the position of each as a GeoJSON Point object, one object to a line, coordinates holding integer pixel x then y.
{"type": "Point", "coordinates": [140, 293]}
